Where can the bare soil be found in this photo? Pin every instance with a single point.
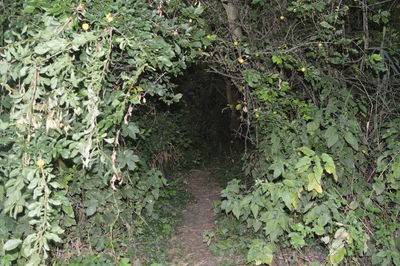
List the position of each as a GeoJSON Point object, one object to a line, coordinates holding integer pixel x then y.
{"type": "Point", "coordinates": [187, 247]}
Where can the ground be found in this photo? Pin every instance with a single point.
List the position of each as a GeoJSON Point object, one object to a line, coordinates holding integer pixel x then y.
{"type": "Point", "coordinates": [188, 247]}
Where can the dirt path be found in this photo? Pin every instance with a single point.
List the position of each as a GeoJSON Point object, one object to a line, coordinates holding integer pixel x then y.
{"type": "Point", "coordinates": [188, 247]}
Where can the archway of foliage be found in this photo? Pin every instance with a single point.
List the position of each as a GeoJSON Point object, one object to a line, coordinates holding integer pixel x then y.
{"type": "Point", "coordinates": [75, 77]}
{"type": "Point", "coordinates": [80, 138]}
{"type": "Point", "coordinates": [319, 83]}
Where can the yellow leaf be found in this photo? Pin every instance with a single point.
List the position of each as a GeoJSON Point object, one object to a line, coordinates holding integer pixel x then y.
{"type": "Point", "coordinates": [331, 260]}
{"type": "Point", "coordinates": [318, 188]}
{"type": "Point", "coordinates": [313, 183]}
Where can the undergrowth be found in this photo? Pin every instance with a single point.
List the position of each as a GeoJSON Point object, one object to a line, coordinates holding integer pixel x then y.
{"type": "Point", "coordinates": [147, 246]}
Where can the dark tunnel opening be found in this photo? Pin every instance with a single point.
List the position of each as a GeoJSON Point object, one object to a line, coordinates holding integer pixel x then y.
{"type": "Point", "coordinates": [200, 128]}
{"type": "Point", "coordinates": [211, 117]}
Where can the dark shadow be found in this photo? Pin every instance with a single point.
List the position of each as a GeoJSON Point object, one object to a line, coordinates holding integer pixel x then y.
{"type": "Point", "coordinates": [207, 111]}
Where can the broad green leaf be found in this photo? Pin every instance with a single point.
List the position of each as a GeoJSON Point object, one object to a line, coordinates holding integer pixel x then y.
{"type": "Point", "coordinates": [296, 239]}
{"type": "Point", "coordinates": [277, 60]}
{"type": "Point", "coordinates": [353, 205]}
{"type": "Point", "coordinates": [68, 211]}
{"type": "Point", "coordinates": [29, 9]}
{"type": "Point", "coordinates": [290, 183]}
{"type": "Point", "coordinates": [260, 253]}
{"type": "Point", "coordinates": [252, 77]}
{"type": "Point", "coordinates": [236, 209]}
{"type": "Point", "coordinates": [350, 139]}
{"type": "Point", "coordinates": [331, 136]}
{"type": "Point", "coordinates": [374, 58]}
{"type": "Point", "coordinates": [256, 225]}
{"type": "Point", "coordinates": [254, 209]}
{"type": "Point", "coordinates": [245, 202]}
{"type": "Point", "coordinates": [287, 199]}
{"type": "Point", "coordinates": [52, 236]}
{"type": "Point", "coordinates": [326, 25]}
{"type": "Point", "coordinates": [91, 210]}
{"type": "Point", "coordinates": [304, 162]}
{"type": "Point", "coordinates": [57, 44]}
{"type": "Point", "coordinates": [329, 166]}
{"type": "Point", "coordinates": [307, 151]}
{"type": "Point", "coordinates": [314, 183]}
{"type": "Point", "coordinates": [41, 49]}
{"type": "Point", "coordinates": [378, 188]}
{"type": "Point", "coordinates": [312, 127]}
{"type": "Point", "coordinates": [4, 67]}
{"type": "Point", "coordinates": [12, 244]}
{"type": "Point", "coordinates": [278, 167]}
{"type": "Point", "coordinates": [318, 170]}
{"type": "Point", "coordinates": [338, 256]}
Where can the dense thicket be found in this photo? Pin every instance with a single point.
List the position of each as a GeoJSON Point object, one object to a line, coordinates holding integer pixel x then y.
{"type": "Point", "coordinates": [319, 105]}
{"type": "Point", "coordinates": [88, 132]}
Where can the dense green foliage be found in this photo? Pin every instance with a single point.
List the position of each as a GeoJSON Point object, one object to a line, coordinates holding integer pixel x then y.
{"type": "Point", "coordinates": [91, 127]}
{"type": "Point", "coordinates": [319, 95]}
{"type": "Point", "coordinates": [74, 78]}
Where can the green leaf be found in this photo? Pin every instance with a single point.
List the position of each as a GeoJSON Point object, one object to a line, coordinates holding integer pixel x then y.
{"type": "Point", "coordinates": [304, 162]}
{"type": "Point", "coordinates": [12, 244]}
{"type": "Point", "coordinates": [4, 66]}
{"type": "Point", "coordinates": [378, 188]}
{"type": "Point", "coordinates": [374, 58]}
{"type": "Point", "coordinates": [331, 136]}
{"type": "Point", "coordinates": [350, 139]}
{"type": "Point", "coordinates": [254, 209]}
{"type": "Point", "coordinates": [277, 60]}
{"type": "Point", "coordinates": [256, 225]}
{"type": "Point", "coordinates": [68, 211]}
{"type": "Point", "coordinates": [252, 77]}
{"type": "Point", "coordinates": [338, 256]}
{"type": "Point", "coordinates": [124, 262]}
{"type": "Point", "coordinates": [326, 25]}
{"type": "Point", "coordinates": [307, 151]}
{"type": "Point", "coordinates": [41, 49]}
{"type": "Point", "coordinates": [278, 167]}
{"type": "Point", "coordinates": [91, 210]}
{"type": "Point", "coordinates": [130, 130]}
{"type": "Point", "coordinates": [57, 44]}
{"type": "Point", "coordinates": [236, 209]}
{"type": "Point", "coordinates": [52, 236]}
{"type": "Point", "coordinates": [314, 183]}
{"type": "Point", "coordinates": [329, 166]}
{"type": "Point", "coordinates": [260, 253]}
{"type": "Point", "coordinates": [312, 127]}
{"type": "Point", "coordinates": [29, 9]}
{"type": "Point", "coordinates": [296, 239]}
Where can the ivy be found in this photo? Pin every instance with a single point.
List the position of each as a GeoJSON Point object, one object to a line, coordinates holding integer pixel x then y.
{"type": "Point", "coordinates": [72, 81]}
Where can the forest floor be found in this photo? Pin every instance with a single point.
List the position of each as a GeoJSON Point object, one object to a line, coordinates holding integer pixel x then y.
{"type": "Point", "coordinates": [188, 247]}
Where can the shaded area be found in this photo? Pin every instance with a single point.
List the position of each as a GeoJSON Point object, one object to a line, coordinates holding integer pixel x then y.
{"type": "Point", "coordinates": [188, 247]}
{"type": "Point", "coordinates": [208, 108]}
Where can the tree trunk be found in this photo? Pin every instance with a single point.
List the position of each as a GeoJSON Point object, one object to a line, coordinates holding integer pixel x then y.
{"type": "Point", "coordinates": [235, 30]}
{"type": "Point", "coordinates": [231, 98]}
{"type": "Point", "coordinates": [232, 13]}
